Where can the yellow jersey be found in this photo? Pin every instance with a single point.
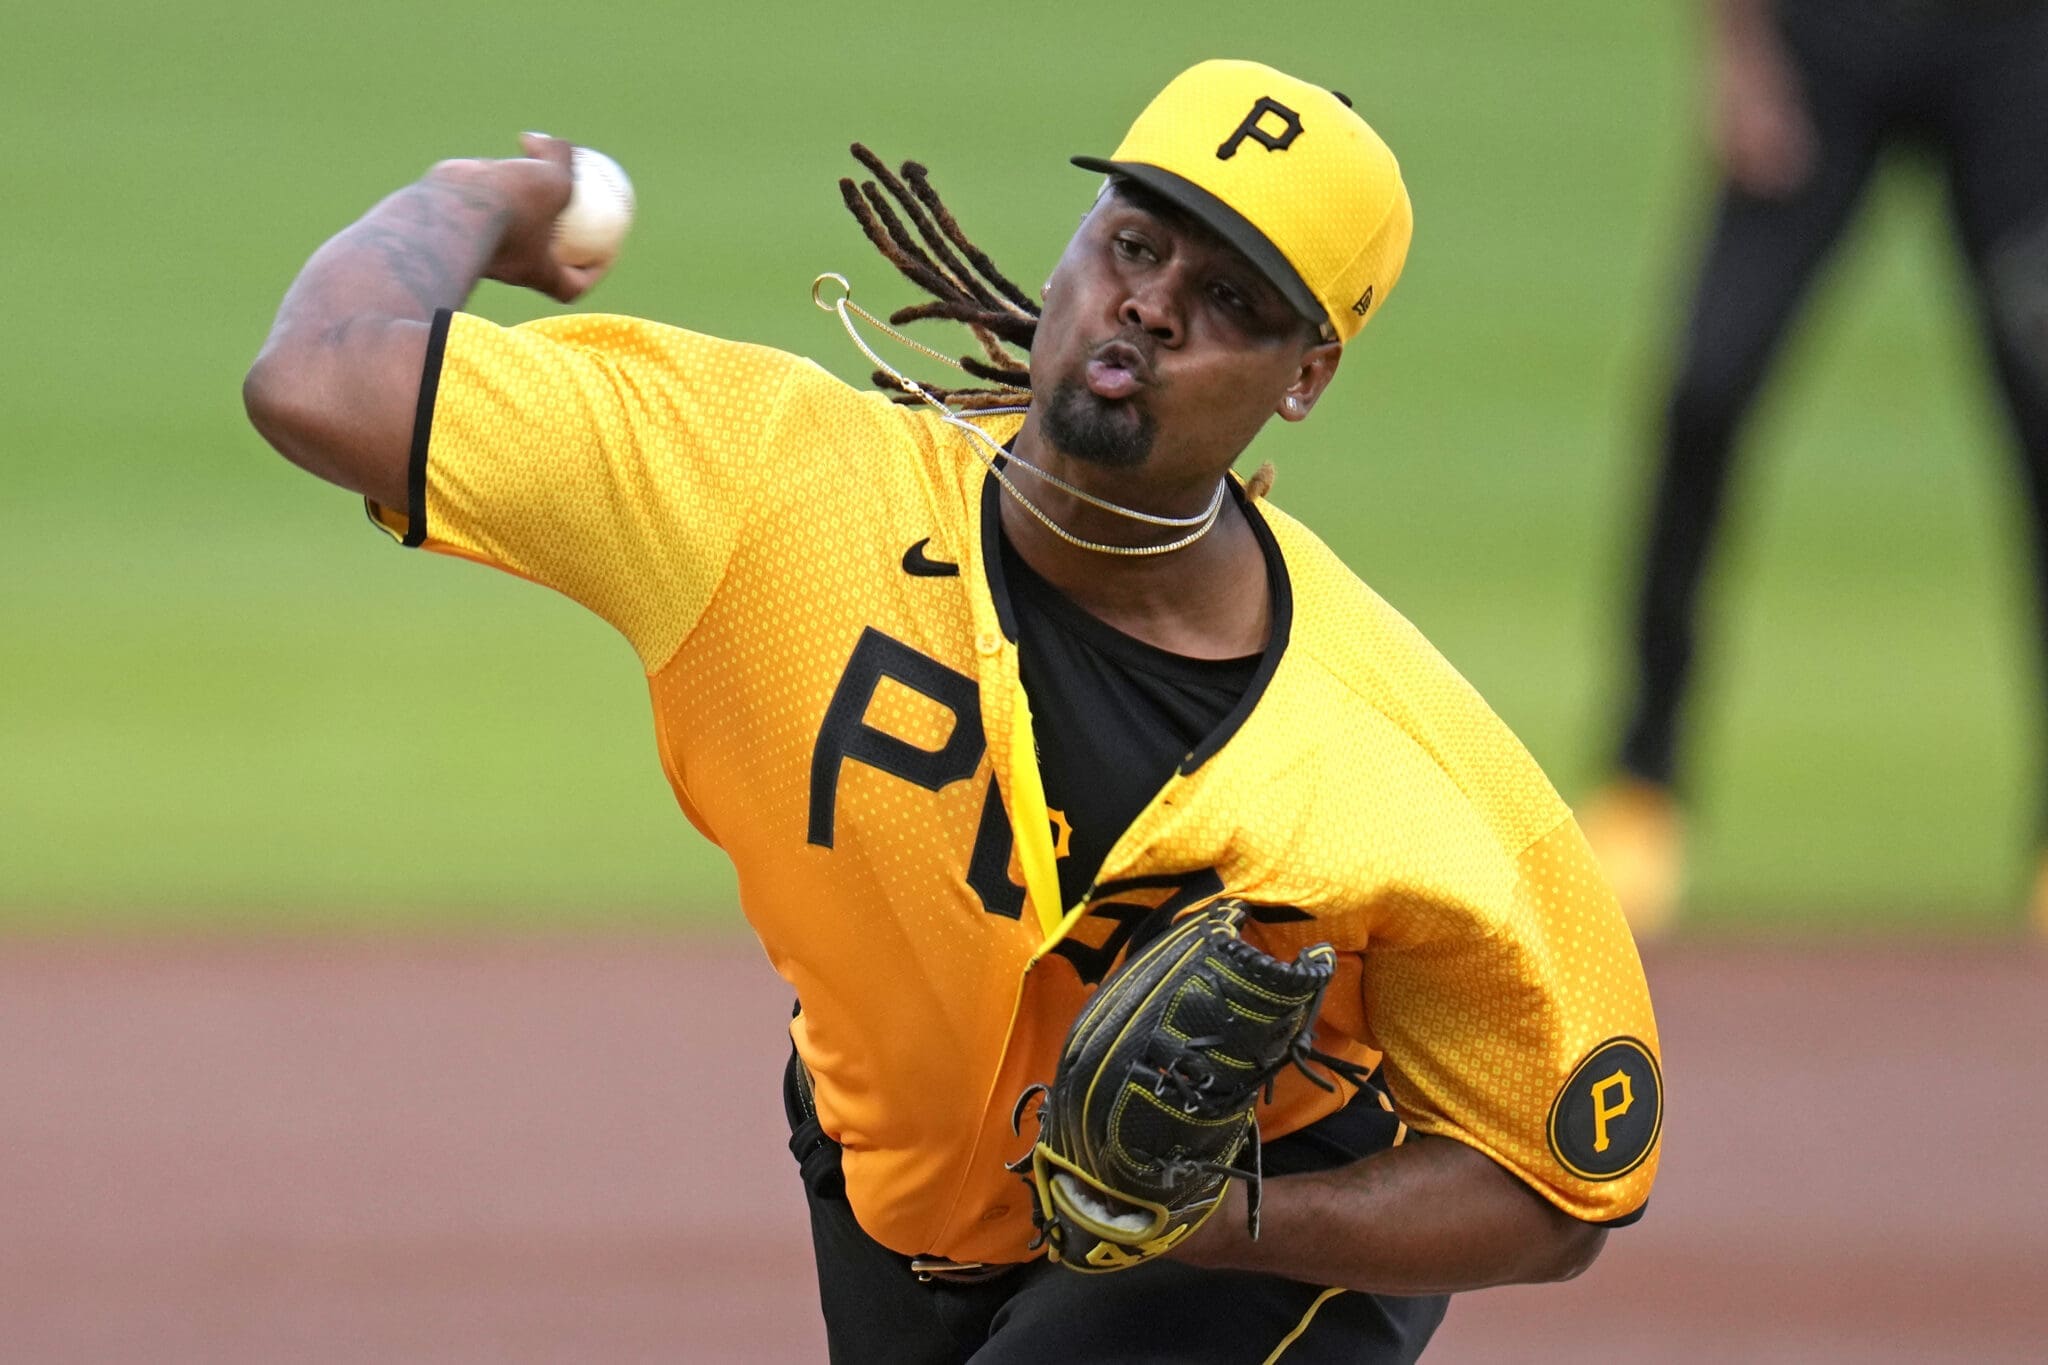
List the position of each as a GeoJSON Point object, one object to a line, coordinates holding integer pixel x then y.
{"type": "Point", "coordinates": [805, 572]}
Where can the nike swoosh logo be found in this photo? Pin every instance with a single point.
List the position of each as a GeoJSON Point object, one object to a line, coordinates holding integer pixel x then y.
{"type": "Point", "coordinates": [918, 566]}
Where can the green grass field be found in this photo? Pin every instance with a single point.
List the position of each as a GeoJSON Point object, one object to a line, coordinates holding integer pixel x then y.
{"type": "Point", "coordinates": [228, 700]}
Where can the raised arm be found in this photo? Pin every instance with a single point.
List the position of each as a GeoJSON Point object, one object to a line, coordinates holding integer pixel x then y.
{"type": "Point", "coordinates": [337, 382]}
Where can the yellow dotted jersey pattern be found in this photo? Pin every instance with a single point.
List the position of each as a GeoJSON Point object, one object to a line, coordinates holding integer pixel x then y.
{"type": "Point", "coordinates": [742, 518]}
{"type": "Point", "coordinates": [565, 451]}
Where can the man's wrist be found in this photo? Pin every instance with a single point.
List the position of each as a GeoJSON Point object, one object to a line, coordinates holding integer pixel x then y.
{"type": "Point", "coordinates": [505, 208]}
{"type": "Point", "coordinates": [472, 182]}
{"type": "Point", "coordinates": [1222, 1242]}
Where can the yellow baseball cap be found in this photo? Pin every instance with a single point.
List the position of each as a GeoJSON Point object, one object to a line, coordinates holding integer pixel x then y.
{"type": "Point", "coordinates": [1285, 172]}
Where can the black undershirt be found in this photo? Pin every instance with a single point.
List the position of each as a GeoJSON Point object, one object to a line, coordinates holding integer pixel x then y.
{"type": "Point", "coordinates": [1113, 716]}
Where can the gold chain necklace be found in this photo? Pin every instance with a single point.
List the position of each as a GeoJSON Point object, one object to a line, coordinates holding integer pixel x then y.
{"type": "Point", "coordinates": [1202, 522]}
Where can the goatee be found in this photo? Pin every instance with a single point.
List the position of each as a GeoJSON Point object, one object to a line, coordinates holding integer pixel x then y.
{"type": "Point", "coordinates": [1112, 434]}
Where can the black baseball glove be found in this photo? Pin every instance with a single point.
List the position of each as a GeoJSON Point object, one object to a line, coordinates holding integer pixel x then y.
{"type": "Point", "coordinates": [1151, 1113]}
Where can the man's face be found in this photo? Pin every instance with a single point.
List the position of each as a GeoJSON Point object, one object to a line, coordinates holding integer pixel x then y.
{"type": "Point", "coordinates": [1161, 346]}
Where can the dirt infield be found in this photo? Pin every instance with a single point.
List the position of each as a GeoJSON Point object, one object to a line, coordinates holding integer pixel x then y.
{"type": "Point", "coordinates": [552, 1150]}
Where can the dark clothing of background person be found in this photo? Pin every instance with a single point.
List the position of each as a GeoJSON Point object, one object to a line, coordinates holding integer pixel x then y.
{"type": "Point", "coordinates": [1970, 82]}
{"type": "Point", "coordinates": [1809, 94]}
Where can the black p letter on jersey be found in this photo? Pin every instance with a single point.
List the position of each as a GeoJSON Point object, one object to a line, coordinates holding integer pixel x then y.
{"type": "Point", "coordinates": [988, 867]}
{"type": "Point", "coordinates": [1250, 129]}
{"type": "Point", "coordinates": [846, 733]}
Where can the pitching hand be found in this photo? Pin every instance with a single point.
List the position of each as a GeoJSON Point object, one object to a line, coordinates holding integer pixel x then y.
{"type": "Point", "coordinates": [528, 193]}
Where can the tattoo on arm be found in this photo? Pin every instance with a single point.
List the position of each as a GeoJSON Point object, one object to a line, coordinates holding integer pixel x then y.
{"type": "Point", "coordinates": [335, 387]}
{"type": "Point", "coordinates": [422, 249]}
{"type": "Point", "coordinates": [431, 251]}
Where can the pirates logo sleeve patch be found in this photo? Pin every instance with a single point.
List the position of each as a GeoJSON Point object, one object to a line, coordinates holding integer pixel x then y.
{"type": "Point", "coordinates": [1606, 1118]}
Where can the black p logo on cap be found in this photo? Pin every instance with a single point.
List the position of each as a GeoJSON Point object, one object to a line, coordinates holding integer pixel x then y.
{"type": "Point", "coordinates": [1250, 129]}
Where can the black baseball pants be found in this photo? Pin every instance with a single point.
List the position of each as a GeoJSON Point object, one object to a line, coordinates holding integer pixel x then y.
{"type": "Point", "coordinates": [877, 1312]}
{"type": "Point", "coordinates": [1969, 81]}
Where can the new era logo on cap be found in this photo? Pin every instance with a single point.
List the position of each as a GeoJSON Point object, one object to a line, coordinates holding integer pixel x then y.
{"type": "Point", "coordinates": [1287, 173]}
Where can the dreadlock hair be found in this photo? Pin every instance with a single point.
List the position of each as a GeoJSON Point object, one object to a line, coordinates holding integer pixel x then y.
{"type": "Point", "coordinates": [970, 290]}
{"type": "Point", "coordinates": [964, 283]}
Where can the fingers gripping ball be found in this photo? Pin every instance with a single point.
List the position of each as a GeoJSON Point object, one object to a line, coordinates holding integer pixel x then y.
{"type": "Point", "coordinates": [592, 227]}
{"type": "Point", "coordinates": [1151, 1113]}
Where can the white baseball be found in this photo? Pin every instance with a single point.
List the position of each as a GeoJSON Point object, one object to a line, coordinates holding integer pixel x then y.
{"type": "Point", "coordinates": [589, 231]}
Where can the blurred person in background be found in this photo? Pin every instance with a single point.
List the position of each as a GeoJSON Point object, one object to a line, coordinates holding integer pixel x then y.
{"type": "Point", "coordinates": [1806, 96]}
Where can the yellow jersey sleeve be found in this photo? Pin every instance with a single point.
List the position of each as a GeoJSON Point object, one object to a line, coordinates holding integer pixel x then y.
{"type": "Point", "coordinates": [1525, 1030]}
{"type": "Point", "coordinates": [613, 459]}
